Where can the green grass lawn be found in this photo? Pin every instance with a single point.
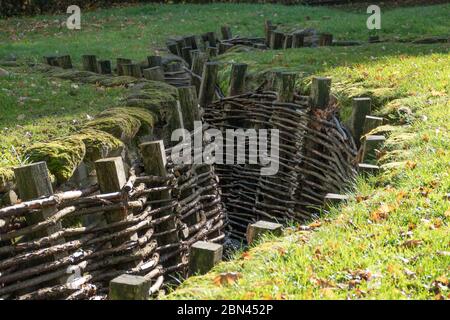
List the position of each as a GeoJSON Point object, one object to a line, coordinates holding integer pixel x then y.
{"type": "Point", "coordinates": [391, 240]}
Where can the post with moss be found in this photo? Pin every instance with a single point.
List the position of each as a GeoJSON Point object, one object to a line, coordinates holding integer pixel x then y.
{"type": "Point", "coordinates": [286, 86]}
{"type": "Point", "coordinates": [89, 62]}
{"type": "Point", "coordinates": [198, 61]}
{"type": "Point", "coordinates": [361, 108]}
{"type": "Point", "coordinates": [371, 123]}
{"type": "Point", "coordinates": [208, 85]}
{"type": "Point", "coordinates": [154, 158]}
{"type": "Point", "coordinates": [204, 256]}
{"type": "Point", "coordinates": [33, 181]}
{"type": "Point", "coordinates": [320, 92]}
{"type": "Point", "coordinates": [104, 66]}
{"type": "Point", "coordinates": [187, 97]}
{"type": "Point", "coordinates": [129, 287]}
{"type": "Point", "coordinates": [237, 78]}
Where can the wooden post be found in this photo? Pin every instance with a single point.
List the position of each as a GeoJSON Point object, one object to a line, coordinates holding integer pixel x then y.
{"type": "Point", "coordinates": [333, 198]}
{"type": "Point", "coordinates": [361, 109]}
{"type": "Point", "coordinates": [129, 287]}
{"type": "Point", "coordinates": [226, 32]}
{"type": "Point", "coordinates": [64, 62]}
{"type": "Point", "coordinates": [187, 97]}
{"type": "Point", "coordinates": [111, 177]}
{"type": "Point", "coordinates": [132, 70]}
{"type": "Point", "coordinates": [104, 66]}
{"type": "Point", "coordinates": [208, 85]}
{"type": "Point", "coordinates": [186, 54]}
{"type": "Point", "coordinates": [173, 48]}
{"type": "Point", "coordinates": [191, 41]}
{"type": "Point", "coordinates": [276, 40]}
{"type": "Point", "coordinates": [155, 74]}
{"type": "Point", "coordinates": [320, 92]}
{"type": "Point", "coordinates": [198, 61]}
{"type": "Point", "coordinates": [237, 78]}
{"type": "Point", "coordinates": [286, 87]}
{"type": "Point", "coordinates": [89, 62]}
{"type": "Point", "coordinates": [204, 256]}
{"type": "Point", "coordinates": [120, 62]}
{"type": "Point", "coordinates": [268, 29]}
{"type": "Point", "coordinates": [256, 230]}
{"type": "Point", "coordinates": [33, 181]}
{"type": "Point", "coordinates": [154, 61]}
{"type": "Point", "coordinates": [368, 169]}
{"type": "Point", "coordinates": [371, 123]}
{"type": "Point", "coordinates": [287, 43]}
{"type": "Point", "coordinates": [211, 39]}
{"type": "Point", "coordinates": [224, 46]}
{"type": "Point", "coordinates": [371, 146]}
{"type": "Point", "coordinates": [326, 39]}
{"type": "Point", "coordinates": [51, 60]}
{"type": "Point", "coordinates": [154, 158]}
{"type": "Point", "coordinates": [298, 40]}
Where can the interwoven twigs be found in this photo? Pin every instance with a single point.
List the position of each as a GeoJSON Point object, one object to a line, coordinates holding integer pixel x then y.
{"type": "Point", "coordinates": [316, 156]}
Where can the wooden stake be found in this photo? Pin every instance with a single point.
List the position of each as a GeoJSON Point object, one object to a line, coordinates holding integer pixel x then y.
{"type": "Point", "coordinates": [320, 92]}
{"type": "Point", "coordinates": [132, 70]}
{"type": "Point", "coordinates": [371, 123]}
{"type": "Point", "coordinates": [186, 54]}
{"type": "Point", "coordinates": [155, 74]}
{"type": "Point", "coordinates": [154, 61]}
{"type": "Point", "coordinates": [286, 87]}
{"type": "Point", "coordinates": [189, 106]}
{"type": "Point", "coordinates": [276, 40]}
{"type": "Point", "coordinates": [64, 62]}
{"type": "Point", "coordinates": [173, 48]}
{"type": "Point", "coordinates": [326, 39]}
{"type": "Point", "coordinates": [89, 62]}
{"type": "Point", "coordinates": [361, 109]}
{"type": "Point", "coordinates": [237, 78]}
{"type": "Point", "coordinates": [208, 85]}
{"type": "Point", "coordinates": [298, 40]}
{"type": "Point", "coordinates": [104, 66]}
{"type": "Point", "coordinates": [204, 256]}
{"type": "Point", "coordinates": [371, 147]}
{"type": "Point", "coordinates": [287, 43]}
{"type": "Point", "coordinates": [129, 287]}
{"type": "Point", "coordinates": [226, 32]}
{"type": "Point", "coordinates": [120, 62]}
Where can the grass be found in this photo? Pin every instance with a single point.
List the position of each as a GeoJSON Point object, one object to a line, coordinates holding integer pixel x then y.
{"type": "Point", "coordinates": [390, 241]}
{"type": "Point", "coordinates": [35, 108]}
{"type": "Point", "coordinates": [135, 31]}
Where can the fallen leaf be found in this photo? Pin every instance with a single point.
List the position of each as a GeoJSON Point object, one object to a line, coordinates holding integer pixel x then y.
{"type": "Point", "coordinates": [226, 278]}
{"type": "Point", "coordinates": [412, 243]}
{"type": "Point", "coordinates": [381, 213]}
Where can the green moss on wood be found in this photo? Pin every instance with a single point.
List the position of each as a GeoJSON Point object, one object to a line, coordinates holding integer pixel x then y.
{"type": "Point", "coordinates": [99, 144]}
{"type": "Point", "coordinates": [121, 125]}
{"type": "Point", "coordinates": [6, 177]}
{"type": "Point", "coordinates": [63, 156]}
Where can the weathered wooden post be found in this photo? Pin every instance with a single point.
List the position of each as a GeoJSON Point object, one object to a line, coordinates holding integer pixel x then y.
{"type": "Point", "coordinates": [198, 61]}
{"type": "Point", "coordinates": [104, 66]}
{"type": "Point", "coordinates": [154, 61]}
{"type": "Point", "coordinates": [186, 54]}
{"type": "Point", "coordinates": [33, 181]}
{"type": "Point", "coordinates": [204, 256]}
{"type": "Point", "coordinates": [320, 92]}
{"type": "Point", "coordinates": [286, 86]}
{"type": "Point", "coordinates": [111, 177]}
{"type": "Point", "coordinates": [191, 41]}
{"type": "Point", "coordinates": [129, 287]}
{"type": "Point", "coordinates": [224, 46]}
{"type": "Point", "coordinates": [298, 40]}
{"type": "Point", "coordinates": [361, 109]}
{"type": "Point", "coordinates": [256, 230]}
{"type": "Point", "coordinates": [173, 48]}
{"type": "Point", "coordinates": [154, 73]}
{"type": "Point", "coordinates": [237, 78]}
{"type": "Point", "coordinates": [368, 169]}
{"type": "Point", "coordinates": [132, 70]}
{"type": "Point", "coordinates": [208, 85]}
{"type": "Point", "coordinates": [372, 122]}
{"type": "Point", "coordinates": [51, 60]}
{"type": "Point", "coordinates": [211, 38]}
{"type": "Point", "coordinates": [226, 32]}
{"type": "Point", "coordinates": [268, 29]}
{"type": "Point", "coordinates": [211, 52]}
{"type": "Point", "coordinates": [287, 43]}
{"type": "Point", "coordinates": [187, 97]}
{"type": "Point", "coordinates": [276, 40]}
{"type": "Point", "coordinates": [154, 158]}
{"type": "Point", "coordinates": [334, 199]}
{"type": "Point", "coordinates": [371, 146]}
{"type": "Point", "coordinates": [180, 44]}
{"type": "Point", "coordinates": [64, 61]}
{"type": "Point", "coordinates": [120, 62]}
{"type": "Point", "coordinates": [89, 62]}
{"type": "Point", "coordinates": [326, 39]}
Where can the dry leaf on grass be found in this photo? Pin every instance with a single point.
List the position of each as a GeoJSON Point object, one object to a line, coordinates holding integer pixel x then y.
{"type": "Point", "coordinates": [226, 278]}
{"type": "Point", "coordinates": [412, 243]}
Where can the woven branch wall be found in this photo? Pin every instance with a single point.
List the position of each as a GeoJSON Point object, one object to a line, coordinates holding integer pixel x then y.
{"type": "Point", "coordinates": [316, 157]}
{"type": "Point", "coordinates": [76, 250]}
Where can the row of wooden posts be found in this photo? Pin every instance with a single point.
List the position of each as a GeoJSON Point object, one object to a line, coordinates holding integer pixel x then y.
{"type": "Point", "coordinates": [203, 257]}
